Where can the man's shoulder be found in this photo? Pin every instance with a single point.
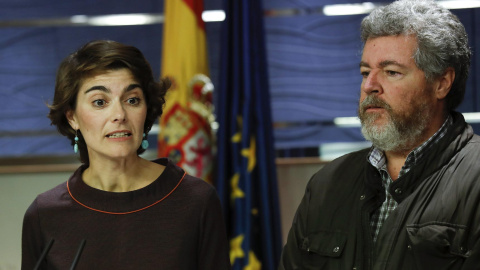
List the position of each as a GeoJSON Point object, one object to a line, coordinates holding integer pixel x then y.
{"type": "Point", "coordinates": [471, 150]}
{"type": "Point", "coordinates": [475, 140]}
{"type": "Point", "coordinates": [359, 156]}
{"type": "Point", "coordinates": [344, 169]}
{"type": "Point", "coordinates": [468, 158]}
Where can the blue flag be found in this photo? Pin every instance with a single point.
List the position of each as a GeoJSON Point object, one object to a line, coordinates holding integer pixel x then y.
{"type": "Point", "coordinates": [246, 173]}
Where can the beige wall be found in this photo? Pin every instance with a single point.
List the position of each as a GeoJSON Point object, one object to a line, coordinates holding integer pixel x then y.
{"type": "Point", "coordinates": [18, 190]}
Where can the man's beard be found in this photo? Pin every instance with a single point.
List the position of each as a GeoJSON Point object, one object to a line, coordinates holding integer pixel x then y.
{"type": "Point", "coordinates": [401, 131]}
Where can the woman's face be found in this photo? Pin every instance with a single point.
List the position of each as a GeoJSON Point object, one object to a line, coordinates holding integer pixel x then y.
{"type": "Point", "coordinates": [110, 113]}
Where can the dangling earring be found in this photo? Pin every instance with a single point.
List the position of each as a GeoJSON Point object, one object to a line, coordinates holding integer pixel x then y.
{"type": "Point", "coordinates": [75, 146]}
{"type": "Point", "coordinates": [144, 142]}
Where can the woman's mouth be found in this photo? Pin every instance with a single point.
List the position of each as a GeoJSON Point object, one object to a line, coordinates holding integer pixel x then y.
{"type": "Point", "coordinates": [119, 135]}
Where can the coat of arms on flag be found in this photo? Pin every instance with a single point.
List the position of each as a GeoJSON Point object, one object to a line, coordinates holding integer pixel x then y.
{"type": "Point", "coordinates": [187, 135]}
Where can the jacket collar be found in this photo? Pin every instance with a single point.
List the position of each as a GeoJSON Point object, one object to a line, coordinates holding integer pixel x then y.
{"type": "Point", "coordinates": [439, 155]}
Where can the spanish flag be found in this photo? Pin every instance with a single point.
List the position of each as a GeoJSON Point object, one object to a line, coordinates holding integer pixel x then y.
{"type": "Point", "coordinates": [185, 132]}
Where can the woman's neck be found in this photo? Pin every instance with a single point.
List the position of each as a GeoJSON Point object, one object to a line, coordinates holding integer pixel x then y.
{"type": "Point", "coordinates": [121, 175]}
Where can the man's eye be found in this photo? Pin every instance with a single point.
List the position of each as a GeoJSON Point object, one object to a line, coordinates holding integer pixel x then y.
{"type": "Point", "coordinates": [133, 101]}
{"type": "Point", "coordinates": [364, 74]}
{"type": "Point", "coordinates": [392, 73]}
{"type": "Point", "coordinates": [99, 103]}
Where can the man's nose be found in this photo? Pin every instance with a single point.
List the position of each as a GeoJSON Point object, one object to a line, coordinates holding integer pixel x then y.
{"type": "Point", "coordinates": [371, 84]}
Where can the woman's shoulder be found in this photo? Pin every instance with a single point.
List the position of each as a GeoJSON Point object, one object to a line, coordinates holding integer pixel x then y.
{"type": "Point", "coordinates": [52, 196]}
{"type": "Point", "coordinates": [187, 181]}
{"type": "Point", "coordinates": [197, 186]}
{"type": "Point", "coordinates": [47, 202]}
{"type": "Point", "coordinates": [56, 195]}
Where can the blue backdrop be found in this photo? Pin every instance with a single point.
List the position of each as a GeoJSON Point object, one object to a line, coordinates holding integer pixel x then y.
{"type": "Point", "coordinates": [312, 62]}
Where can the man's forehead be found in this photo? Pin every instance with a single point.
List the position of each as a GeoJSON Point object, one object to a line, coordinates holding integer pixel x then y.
{"type": "Point", "coordinates": [389, 50]}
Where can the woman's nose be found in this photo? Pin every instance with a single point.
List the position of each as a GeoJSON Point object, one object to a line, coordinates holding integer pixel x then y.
{"type": "Point", "coordinates": [118, 113]}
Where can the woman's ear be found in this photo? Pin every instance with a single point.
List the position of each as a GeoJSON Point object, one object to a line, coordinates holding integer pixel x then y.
{"type": "Point", "coordinates": [445, 83]}
{"type": "Point", "coordinates": [72, 119]}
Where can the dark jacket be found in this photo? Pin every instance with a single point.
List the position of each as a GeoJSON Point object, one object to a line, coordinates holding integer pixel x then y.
{"type": "Point", "coordinates": [435, 226]}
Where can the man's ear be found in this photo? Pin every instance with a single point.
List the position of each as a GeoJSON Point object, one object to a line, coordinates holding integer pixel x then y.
{"type": "Point", "coordinates": [72, 119]}
{"type": "Point", "coordinates": [444, 83]}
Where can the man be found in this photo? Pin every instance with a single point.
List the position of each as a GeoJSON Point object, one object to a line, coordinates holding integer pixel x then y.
{"type": "Point", "coordinates": [412, 200]}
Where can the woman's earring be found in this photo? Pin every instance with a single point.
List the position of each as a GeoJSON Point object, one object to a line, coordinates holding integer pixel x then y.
{"type": "Point", "coordinates": [144, 142]}
{"type": "Point", "coordinates": [75, 146]}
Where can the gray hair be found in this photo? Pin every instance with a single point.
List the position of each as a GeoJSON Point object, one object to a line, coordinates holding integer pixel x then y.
{"type": "Point", "coordinates": [441, 38]}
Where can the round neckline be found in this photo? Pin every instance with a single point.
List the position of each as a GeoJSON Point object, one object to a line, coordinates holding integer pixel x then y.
{"type": "Point", "coordinates": [125, 202]}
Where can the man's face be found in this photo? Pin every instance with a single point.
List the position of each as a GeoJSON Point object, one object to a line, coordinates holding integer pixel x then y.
{"type": "Point", "coordinates": [395, 101]}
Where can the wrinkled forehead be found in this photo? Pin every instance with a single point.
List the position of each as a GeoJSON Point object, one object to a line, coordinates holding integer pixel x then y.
{"type": "Point", "coordinates": [400, 48]}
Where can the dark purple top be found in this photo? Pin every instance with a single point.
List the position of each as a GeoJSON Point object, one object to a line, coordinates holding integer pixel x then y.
{"type": "Point", "coordinates": [173, 223]}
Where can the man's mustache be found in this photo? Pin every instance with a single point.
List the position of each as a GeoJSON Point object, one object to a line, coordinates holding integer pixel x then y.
{"type": "Point", "coordinates": [373, 101]}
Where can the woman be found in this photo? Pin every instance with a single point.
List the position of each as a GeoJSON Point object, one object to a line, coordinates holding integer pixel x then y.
{"type": "Point", "coordinates": [118, 210]}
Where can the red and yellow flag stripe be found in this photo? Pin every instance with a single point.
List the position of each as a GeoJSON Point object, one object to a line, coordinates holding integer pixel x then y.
{"type": "Point", "coordinates": [184, 51]}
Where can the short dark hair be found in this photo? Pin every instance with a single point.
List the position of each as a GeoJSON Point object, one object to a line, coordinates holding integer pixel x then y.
{"type": "Point", "coordinates": [442, 41]}
{"type": "Point", "coordinates": [97, 57]}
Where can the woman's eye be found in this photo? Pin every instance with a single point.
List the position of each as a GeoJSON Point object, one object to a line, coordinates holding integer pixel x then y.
{"type": "Point", "coordinates": [99, 103]}
{"type": "Point", "coordinates": [133, 101]}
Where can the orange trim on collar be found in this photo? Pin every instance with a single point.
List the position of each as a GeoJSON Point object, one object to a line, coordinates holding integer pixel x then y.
{"type": "Point", "coordinates": [129, 212]}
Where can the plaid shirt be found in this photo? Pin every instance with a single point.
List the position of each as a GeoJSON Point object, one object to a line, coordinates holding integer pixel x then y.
{"type": "Point", "coordinates": [378, 160]}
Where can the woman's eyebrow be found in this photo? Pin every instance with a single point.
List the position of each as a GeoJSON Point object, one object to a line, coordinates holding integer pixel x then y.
{"type": "Point", "coordinates": [97, 87]}
{"type": "Point", "coordinates": [132, 86]}
{"type": "Point", "coordinates": [106, 90]}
